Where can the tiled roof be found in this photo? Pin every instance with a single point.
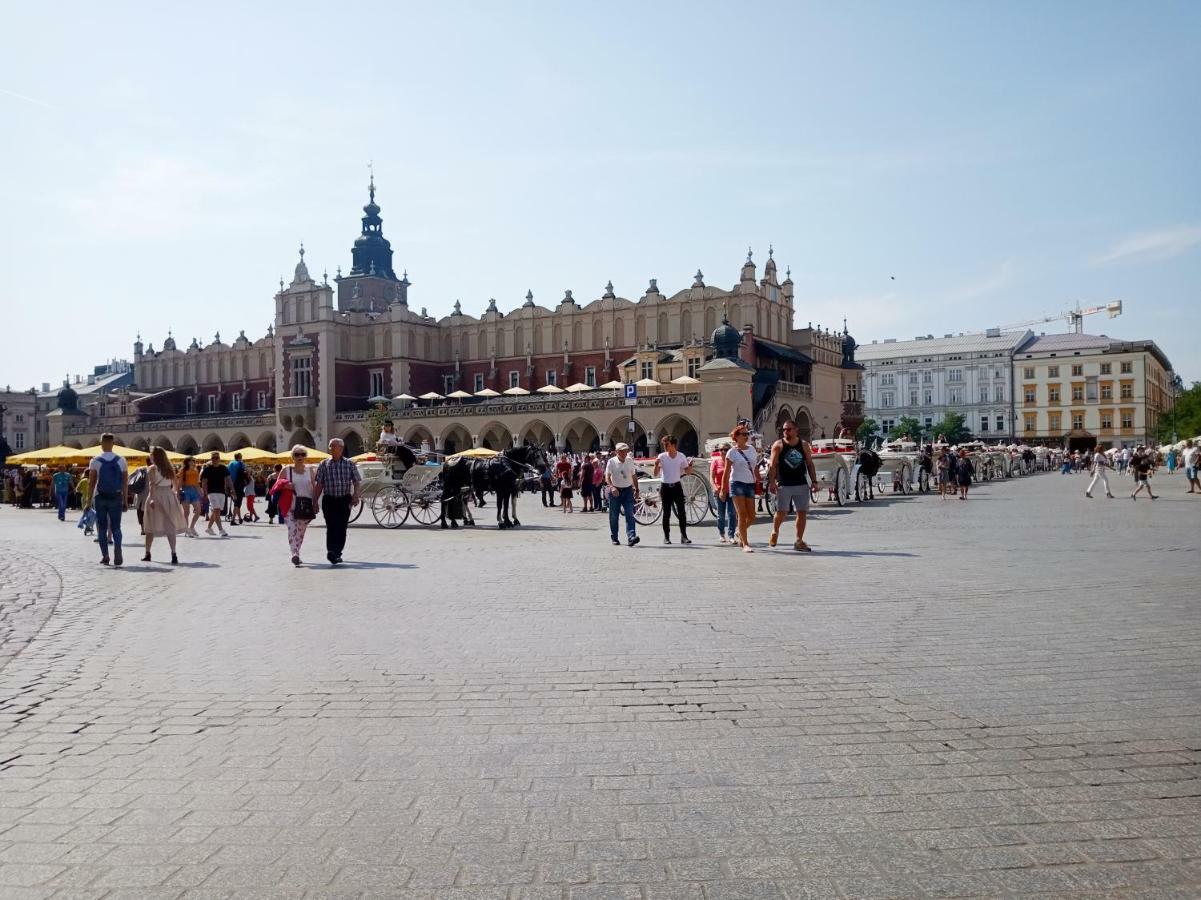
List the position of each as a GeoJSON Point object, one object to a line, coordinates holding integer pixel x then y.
{"type": "Point", "coordinates": [1056, 343]}
{"type": "Point", "coordinates": [967, 343]}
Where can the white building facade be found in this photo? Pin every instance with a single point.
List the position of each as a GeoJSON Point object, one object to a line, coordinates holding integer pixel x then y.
{"type": "Point", "coordinates": [928, 377]}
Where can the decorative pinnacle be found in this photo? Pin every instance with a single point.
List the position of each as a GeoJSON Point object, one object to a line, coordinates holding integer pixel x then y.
{"type": "Point", "coordinates": [788, 273]}
{"type": "Point", "coordinates": [371, 183]}
{"type": "Point", "coordinates": [770, 251]}
{"type": "Point", "coordinates": [281, 282]}
{"type": "Point", "coordinates": [302, 250]}
{"type": "Point", "coordinates": [325, 276]}
{"type": "Point", "coordinates": [748, 253]}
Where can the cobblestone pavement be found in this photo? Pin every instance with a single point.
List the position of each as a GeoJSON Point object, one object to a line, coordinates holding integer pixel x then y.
{"type": "Point", "coordinates": [998, 697]}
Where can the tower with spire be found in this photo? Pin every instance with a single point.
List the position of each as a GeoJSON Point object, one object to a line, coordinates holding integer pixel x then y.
{"type": "Point", "coordinates": [372, 285]}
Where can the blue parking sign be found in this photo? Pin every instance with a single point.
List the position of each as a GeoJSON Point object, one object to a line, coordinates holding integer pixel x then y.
{"type": "Point", "coordinates": [631, 392]}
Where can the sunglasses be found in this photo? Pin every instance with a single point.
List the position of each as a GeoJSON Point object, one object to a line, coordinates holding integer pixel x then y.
{"type": "Point", "coordinates": [299, 455]}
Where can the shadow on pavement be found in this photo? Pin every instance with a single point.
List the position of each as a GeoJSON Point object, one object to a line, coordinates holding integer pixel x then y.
{"type": "Point", "coordinates": [821, 552]}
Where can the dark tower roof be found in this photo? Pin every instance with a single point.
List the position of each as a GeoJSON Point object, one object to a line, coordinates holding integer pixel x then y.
{"type": "Point", "coordinates": [372, 254]}
{"type": "Point", "coordinates": [726, 340]}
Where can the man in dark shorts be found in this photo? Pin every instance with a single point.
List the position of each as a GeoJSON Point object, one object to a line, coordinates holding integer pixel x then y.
{"type": "Point", "coordinates": [790, 473]}
{"type": "Point", "coordinates": [215, 486]}
{"type": "Point", "coordinates": [1142, 465]}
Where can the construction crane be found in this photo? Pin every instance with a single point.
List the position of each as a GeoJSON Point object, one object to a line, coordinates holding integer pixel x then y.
{"type": "Point", "coordinates": [1073, 316]}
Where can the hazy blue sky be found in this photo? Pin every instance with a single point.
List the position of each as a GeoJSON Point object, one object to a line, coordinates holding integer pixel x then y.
{"type": "Point", "coordinates": [160, 163]}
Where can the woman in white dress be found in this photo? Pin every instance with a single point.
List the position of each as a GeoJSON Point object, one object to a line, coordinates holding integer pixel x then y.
{"type": "Point", "coordinates": [163, 514]}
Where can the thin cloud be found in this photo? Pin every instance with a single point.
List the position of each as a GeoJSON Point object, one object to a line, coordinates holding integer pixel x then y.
{"type": "Point", "coordinates": [1148, 246]}
{"type": "Point", "coordinates": [34, 100]}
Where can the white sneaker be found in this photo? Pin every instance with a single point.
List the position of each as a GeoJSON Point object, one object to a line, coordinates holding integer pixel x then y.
{"type": "Point", "coordinates": [224, 533]}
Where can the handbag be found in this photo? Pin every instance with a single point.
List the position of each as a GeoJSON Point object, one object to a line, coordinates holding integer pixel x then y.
{"type": "Point", "coordinates": [303, 508]}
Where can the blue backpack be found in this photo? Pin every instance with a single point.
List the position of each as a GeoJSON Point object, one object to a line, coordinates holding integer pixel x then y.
{"type": "Point", "coordinates": [109, 479]}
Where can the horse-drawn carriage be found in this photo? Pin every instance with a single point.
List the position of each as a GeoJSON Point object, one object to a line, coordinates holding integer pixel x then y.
{"type": "Point", "coordinates": [898, 465]}
{"type": "Point", "coordinates": [699, 493]}
{"type": "Point", "coordinates": [834, 461]}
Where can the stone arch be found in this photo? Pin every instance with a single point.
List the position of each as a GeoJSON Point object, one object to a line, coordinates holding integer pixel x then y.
{"type": "Point", "coordinates": [419, 434]}
{"type": "Point", "coordinates": [187, 445]}
{"type": "Point", "coordinates": [301, 436]}
{"type": "Point", "coordinates": [639, 330]}
{"type": "Point", "coordinates": [619, 432]}
{"type": "Point", "coordinates": [352, 442]}
{"type": "Point", "coordinates": [662, 330]}
{"type": "Point", "coordinates": [455, 438]}
{"type": "Point", "coordinates": [213, 442]}
{"type": "Point", "coordinates": [140, 443]}
{"type": "Point", "coordinates": [710, 321]}
{"type": "Point", "coordinates": [538, 433]}
{"type": "Point", "coordinates": [580, 436]}
{"type": "Point", "coordinates": [577, 336]}
{"type": "Point", "coordinates": [164, 442]}
{"type": "Point", "coordinates": [682, 429]}
{"type": "Point", "coordinates": [74, 443]}
{"type": "Point", "coordinates": [619, 333]}
{"type": "Point", "coordinates": [285, 422]}
{"type": "Point", "coordinates": [556, 340]}
{"type": "Point", "coordinates": [598, 332]}
{"type": "Point", "coordinates": [496, 436]}
{"type": "Point", "coordinates": [266, 441]}
{"type": "Point", "coordinates": [804, 423]}
{"type": "Point", "coordinates": [736, 317]}
{"type": "Point", "coordinates": [518, 340]}
{"type": "Point", "coordinates": [781, 417]}
{"type": "Point", "coordinates": [238, 442]}
{"type": "Point", "coordinates": [686, 326]}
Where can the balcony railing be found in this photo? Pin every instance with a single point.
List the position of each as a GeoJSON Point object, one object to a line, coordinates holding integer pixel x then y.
{"type": "Point", "coordinates": [295, 403]}
{"type": "Point", "coordinates": [531, 405]}
{"type": "Point", "coordinates": [794, 389]}
{"type": "Point", "coordinates": [222, 420]}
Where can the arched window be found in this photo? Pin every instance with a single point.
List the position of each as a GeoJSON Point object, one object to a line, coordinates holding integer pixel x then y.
{"type": "Point", "coordinates": [686, 326]}
{"type": "Point", "coordinates": [598, 332]}
{"type": "Point", "coordinates": [619, 333]}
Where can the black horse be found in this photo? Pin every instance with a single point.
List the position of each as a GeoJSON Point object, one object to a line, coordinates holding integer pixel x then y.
{"type": "Point", "coordinates": [502, 474]}
{"type": "Point", "coordinates": [869, 466]}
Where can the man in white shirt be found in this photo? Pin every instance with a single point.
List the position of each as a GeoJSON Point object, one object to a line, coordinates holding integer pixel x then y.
{"type": "Point", "coordinates": [621, 478]}
{"type": "Point", "coordinates": [108, 475]}
{"type": "Point", "coordinates": [1192, 459]}
{"type": "Point", "coordinates": [673, 465]}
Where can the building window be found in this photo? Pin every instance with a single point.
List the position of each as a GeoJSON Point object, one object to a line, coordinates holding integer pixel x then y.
{"type": "Point", "coordinates": [514, 378]}
{"type": "Point", "coordinates": [235, 402]}
{"type": "Point", "coordinates": [984, 424]}
{"type": "Point", "coordinates": [954, 374]}
{"type": "Point", "coordinates": [448, 384]}
{"type": "Point", "coordinates": [1053, 371]}
{"type": "Point", "coordinates": [1053, 422]}
{"type": "Point", "coordinates": [853, 391]}
{"type": "Point", "coordinates": [212, 403]}
{"type": "Point", "coordinates": [479, 382]}
{"type": "Point", "coordinates": [1077, 421]}
{"type": "Point", "coordinates": [1127, 392]}
{"type": "Point", "coordinates": [694, 366]}
{"type": "Point", "coordinates": [1127, 419]}
{"type": "Point", "coordinates": [1106, 420]}
{"type": "Point", "coordinates": [955, 396]}
{"type": "Point", "coordinates": [1106, 368]}
{"type": "Point", "coordinates": [1127, 368]}
{"type": "Point", "coordinates": [189, 405]}
{"type": "Point", "coordinates": [1053, 393]}
{"type": "Point", "coordinates": [648, 370]}
{"type": "Point", "coordinates": [913, 398]}
{"type": "Point", "coordinates": [984, 393]}
{"type": "Point", "coordinates": [1077, 392]}
{"type": "Point", "coordinates": [19, 438]}
{"type": "Point", "coordinates": [927, 378]}
{"type": "Point", "coordinates": [260, 400]}
{"type": "Point", "coordinates": [886, 425]}
{"type": "Point", "coordinates": [20, 418]}
{"type": "Point", "coordinates": [302, 376]}
{"type": "Point", "coordinates": [888, 379]}
{"type": "Point", "coordinates": [1077, 370]}
{"type": "Point", "coordinates": [1029, 423]}
{"type": "Point", "coordinates": [552, 377]}
{"type": "Point", "coordinates": [1107, 391]}
{"type": "Point", "coordinates": [1028, 372]}
{"type": "Point", "coordinates": [886, 399]}
{"type": "Point", "coordinates": [927, 398]}
{"type": "Point", "coordinates": [590, 372]}
{"type": "Point", "coordinates": [928, 421]}
{"type": "Point", "coordinates": [913, 377]}
{"type": "Point", "coordinates": [1000, 423]}
{"type": "Point", "coordinates": [377, 383]}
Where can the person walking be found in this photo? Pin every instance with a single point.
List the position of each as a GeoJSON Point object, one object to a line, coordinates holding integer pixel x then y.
{"type": "Point", "coordinates": [249, 492]}
{"type": "Point", "coordinates": [1142, 464]}
{"type": "Point", "coordinates": [237, 477]}
{"type": "Point", "coordinates": [189, 495]}
{"type": "Point", "coordinates": [739, 481]}
{"type": "Point", "coordinates": [216, 487]}
{"type": "Point", "coordinates": [1100, 472]}
{"type": "Point", "coordinates": [272, 498]}
{"type": "Point", "coordinates": [108, 479]}
{"type": "Point", "coordinates": [563, 478]}
{"type": "Point", "coordinates": [621, 476]}
{"type": "Point", "coordinates": [725, 509]}
{"type": "Point", "coordinates": [671, 465]}
{"type": "Point", "coordinates": [586, 483]}
{"type": "Point", "coordinates": [546, 481]}
{"type": "Point", "coordinates": [337, 489]}
{"type": "Point", "coordinates": [1192, 461]}
{"type": "Point", "coordinates": [61, 483]}
{"type": "Point", "coordinates": [88, 517]}
{"type": "Point", "coordinates": [294, 492]}
{"type": "Point", "coordinates": [964, 470]}
{"type": "Point", "coordinates": [598, 484]}
{"type": "Point", "coordinates": [164, 516]}
{"type": "Point", "coordinates": [1170, 461]}
{"type": "Point", "coordinates": [790, 473]}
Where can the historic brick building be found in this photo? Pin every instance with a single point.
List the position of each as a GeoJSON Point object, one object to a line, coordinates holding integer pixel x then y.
{"type": "Point", "coordinates": [335, 344]}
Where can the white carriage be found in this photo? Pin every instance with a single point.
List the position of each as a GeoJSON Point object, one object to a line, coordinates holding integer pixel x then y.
{"type": "Point", "coordinates": [835, 462]}
{"type": "Point", "coordinates": [898, 466]}
{"type": "Point", "coordinates": [698, 493]}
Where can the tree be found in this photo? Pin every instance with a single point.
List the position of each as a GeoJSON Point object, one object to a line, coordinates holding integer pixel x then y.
{"type": "Point", "coordinates": [1184, 420]}
{"type": "Point", "coordinates": [374, 424]}
{"type": "Point", "coordinates": [867, 431]}
{"type": "Point", "coordinates": [953, 428]}
{"type": "Point", "coordinates": [907, 426]}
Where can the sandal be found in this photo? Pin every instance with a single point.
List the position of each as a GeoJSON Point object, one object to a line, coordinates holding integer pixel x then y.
{"type": "Point", "coordinates": [771, 541]}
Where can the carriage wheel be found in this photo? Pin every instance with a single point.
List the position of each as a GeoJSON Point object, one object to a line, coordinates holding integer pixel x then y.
{"type": "Point", "coordinates": [426, 508]}
{"type": "Point", "coordinates": [923, 481]}
{"type": "Point", "coordinates": [862, 486]}
{"type": "Point", "coordinates": [357, 509]}
{"type": "Point", "coordinates": [697, 500]}
{"type": "Point", "coordinates": [906, 476]}
{"type": "Point", "coordinates": [647, 508]}
{"type": "Point", "coordinates": [390, 507]}
{"type": "Point", "coordinates": [769, 502]}
{"type": "Point", "coordinates": [840, 485]}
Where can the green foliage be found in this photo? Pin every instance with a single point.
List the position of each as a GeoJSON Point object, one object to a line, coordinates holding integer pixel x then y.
{"type": "Point", "coordinates": [1184, 421]}
{"type": "Point", "coordinates": [868, 430]}
{"type": "Point", "coordinates": [375, 424]}
{"type": "Point", "coordinates": [953, 428]}
{"type": "Point", "coordinates": [907, 426]}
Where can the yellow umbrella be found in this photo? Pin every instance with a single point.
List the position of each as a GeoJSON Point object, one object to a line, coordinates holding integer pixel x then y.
{"type": "Point", "coordinates": [126, 452]}
{"type": "Point", "coordinates": [313, 455]}
{"type": "Point", "coordinates": [47, 456]}
{"type": "Point", "coordinates": [476, 453]}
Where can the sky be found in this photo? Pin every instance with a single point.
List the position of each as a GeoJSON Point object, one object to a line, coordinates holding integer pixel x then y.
{"type": "Point", "coordinates": [921, 167]}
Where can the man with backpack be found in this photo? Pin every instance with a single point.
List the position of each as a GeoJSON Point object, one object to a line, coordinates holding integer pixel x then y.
{"type": "Point", "coordinates": [108, 477]}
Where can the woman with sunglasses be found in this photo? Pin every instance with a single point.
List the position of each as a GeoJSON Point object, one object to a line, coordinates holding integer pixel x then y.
{"type": "Point", "coordinates": [738, 482]}
{"type": "Point", "coordinates": [294, 489]}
